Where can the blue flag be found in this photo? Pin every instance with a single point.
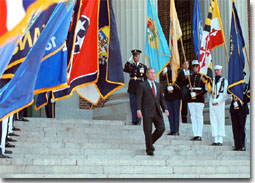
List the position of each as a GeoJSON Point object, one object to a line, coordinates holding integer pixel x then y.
{"type": "Point", "coordinates": [52, 73]}
{"type": "Point", "coordinates": [111, 75]}
{"type": "Point", "coordinates": [236, 61]}
{"type": "Point", "coordinates": [197, 28]}
{"type": "Point", "coordinates": [19, 92]}
{"type": "Point", "coordinates": [157, 51]}
{"type": "Point", "coordinates": [6, 52]}
{"type": "Point", "coordinates": [25, 44]}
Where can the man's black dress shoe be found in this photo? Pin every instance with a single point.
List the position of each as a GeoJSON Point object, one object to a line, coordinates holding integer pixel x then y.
{"type": "Point", "coordinates": [242, 149]}
{"type": "Point", "coordinates": [3, 156]}
{"type": "Point", "coordinates": [150, 153]}
{"type": "Point", "coordinates": [23, 119]}
{"type": "Point", "coordinates": [9, 145]}
{"type": "Point", "coordinates": [7, 152]}
{"type": "Point", "coordinates": [13, 134]}
{"type": "Point", "coordinates": [219, 144]}
{"type": "Point", "coordinates": [214, 144]}
{"type": "Point", "coordinates": [134, 123]}
{"type": "Point", "coordinates": [199, 139]}
{"type": "Point", "coordinates": [16, 129]}
{"type": "Point", "coordinates": [10, 140]}
{"type": "Point", "coordinates": [194, 138]}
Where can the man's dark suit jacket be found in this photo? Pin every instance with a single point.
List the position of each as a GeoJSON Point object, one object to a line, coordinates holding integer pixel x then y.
{"type": "Point", "coordinates": [147, 103]}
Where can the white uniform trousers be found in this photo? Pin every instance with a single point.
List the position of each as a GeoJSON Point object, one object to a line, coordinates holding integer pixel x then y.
{"type": "Point", "coordinates": [11, 124]}
{"type": "Point", "coordinates": [4, 133]}
{"type": "Point", "coordinates": [217, 120]}
{"type": "Point", "coordinates": [197, 120]}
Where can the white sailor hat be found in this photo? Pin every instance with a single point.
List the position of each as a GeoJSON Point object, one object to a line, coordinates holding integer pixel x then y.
{"type": "Point", "coordinates": [218, 67]}
{"type": "Point", "coordinates": [195, 62]}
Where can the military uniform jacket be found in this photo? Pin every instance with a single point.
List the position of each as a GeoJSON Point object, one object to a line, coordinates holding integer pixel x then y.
{"type": "Point", "coordinates": [177, 85]}
{"type": "Point", "coordinates": [219, 90]}
{"type": "Point", "coordinates": [198, 87]}
{"type": "Point", "coordinates": [137, 75]}
{"type": "Point", "coordinates": [242, 108]}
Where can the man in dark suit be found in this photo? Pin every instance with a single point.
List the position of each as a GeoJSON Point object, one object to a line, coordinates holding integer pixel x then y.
{"type": "Point", "coordinates": [149, 99]}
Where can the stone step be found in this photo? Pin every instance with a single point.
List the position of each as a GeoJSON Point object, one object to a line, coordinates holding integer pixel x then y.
{"type": "Point", "coordinates": [141, 156]}
{"type": "Point", "coordinates": [142, 170]}
{"type": "Point", "coordinates": [36, 145]}
{"type": "Point", "coordinates": [141, 151]}
{"type": "Point", "coordinates": [159, 176]}
{"type": "Point", "coordinates": [118, 140]}
{"type": "Point", "coordinates": [152, 162]}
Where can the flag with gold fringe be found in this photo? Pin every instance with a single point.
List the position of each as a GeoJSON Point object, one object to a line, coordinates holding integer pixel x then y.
{"type": "Point", "coordinates": [213, 37]}
{"type": "Point", "coordinates": [175, 35]}
{"type": "Point", "coordinates": [157, 51]}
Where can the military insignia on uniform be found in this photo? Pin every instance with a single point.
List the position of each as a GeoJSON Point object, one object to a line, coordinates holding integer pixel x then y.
{"type": "Point", "coordinates": [142, 70]}
{"type": "Point", "coordinates": [82, 28]}
{"type": "Point", "coordinates": [152, 31]}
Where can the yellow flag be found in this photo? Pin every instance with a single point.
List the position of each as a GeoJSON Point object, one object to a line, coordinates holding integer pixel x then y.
{"type": "Point", "coordinates": [175, 35]}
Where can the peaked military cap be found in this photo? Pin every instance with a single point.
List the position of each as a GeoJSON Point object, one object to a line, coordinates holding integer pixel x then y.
{"type": "Point", "coordinates": [136, 52]}
{"type": "Point", "coordinates": [195, 62]}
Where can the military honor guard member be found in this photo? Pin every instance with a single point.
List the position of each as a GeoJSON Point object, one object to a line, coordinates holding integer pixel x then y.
{"type": "Point", "coordinates": [137, 72]}
{"type": "Point", "coordinates": [217, 106]}
{"type": "Point", "coordinates": [150, 100]}
{"type": "Point", "coordinates": [173, 97]}
{"type": "Point", "coordinates": [238, 113]}
{"type": "Point", "coordinates": [184, 109]}
{"type": "Point", "coordinates": [196, 102]}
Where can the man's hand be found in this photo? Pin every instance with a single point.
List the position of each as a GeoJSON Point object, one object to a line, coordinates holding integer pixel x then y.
{"type": "Point", "coordinates": [166, 113]}
{"type": "Point", "coordinates": [139, 114]}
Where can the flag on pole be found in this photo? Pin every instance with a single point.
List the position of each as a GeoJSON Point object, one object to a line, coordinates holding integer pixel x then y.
{"type": "Point", "coordinates": [175, 35]}
{"type": "Point", "coordinates": [52, 73]}
{"type": "Point", "coordinates": [25, 44]}
{"type": "Point", "coordinates": [16, 15]}
{"type": "Point", "coordinates": [236, 61]}
{"type": "Point", "coordinates": [111, 76]}
{"type": "Point", "coordinates": [197, 28]}
{"type": "Point", "coordinates": [83, 68]}
{"type": "Point", "coordinates": [11, 14]}
{"type": "Point", "coordinates": [213, 37]}
{"type": "Point", "coordinates": [157, 51]}
{"type": "Point", "coordinates": [19, 92]}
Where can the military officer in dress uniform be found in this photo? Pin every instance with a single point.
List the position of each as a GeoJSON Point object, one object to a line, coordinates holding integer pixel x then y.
{"type": "Point", "coordinates": [238, 113]}
{"type": "Point", "coordinates": [184, 111]}
{"type": "Point", "coordinates": [173, 97]}
{"type": "Point", "coordinates": [217, 106]}
{"type": "Point", "coordinates": [196, 102]}
{"type": "Point", "coordinates": [137, 72]}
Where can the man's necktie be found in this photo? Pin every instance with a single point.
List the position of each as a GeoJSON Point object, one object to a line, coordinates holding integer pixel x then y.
{"type": "Point", "coordinates": [153, 89]}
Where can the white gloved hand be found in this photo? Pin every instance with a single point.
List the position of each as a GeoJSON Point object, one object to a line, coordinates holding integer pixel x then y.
{"type": "Point", "coordinates": [214, 101]}
{"type": "Point", "coordinates": [235, 104]}
{"type": "Point", "coordinates": [170, 88]}
{"type": "Point", "coordinates": [130, 59]}
{"type": "Point", "coordinates": [51, 100]}
{"type": "Point", "coordinates": [165, 70]}
{"type": "Point", "coordinates": [193, 94]}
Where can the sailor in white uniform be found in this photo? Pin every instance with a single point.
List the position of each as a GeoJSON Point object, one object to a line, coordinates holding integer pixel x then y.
{"type": "Point", "coordinates": [217, 106]}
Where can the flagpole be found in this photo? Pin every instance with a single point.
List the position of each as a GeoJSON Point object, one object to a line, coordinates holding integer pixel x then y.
{"type": "Point", "coordinates": [226, 51]}
{"type": "Point", "coordinates": [248, 60]}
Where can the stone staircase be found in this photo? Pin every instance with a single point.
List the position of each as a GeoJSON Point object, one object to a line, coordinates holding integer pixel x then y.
{"type": "Point", "coordinates": [66, 148]}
